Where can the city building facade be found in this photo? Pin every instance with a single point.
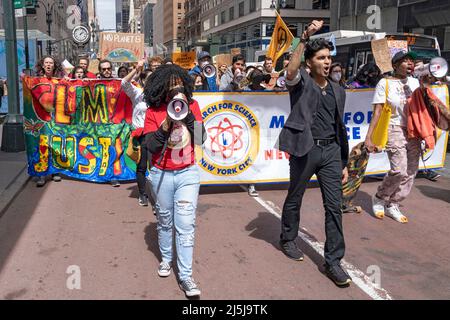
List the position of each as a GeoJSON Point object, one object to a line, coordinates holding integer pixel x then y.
{"type": "Point", "coordinates": [429, 17]}
{"type": "Point", "coordinates": [168, 26]}
{"type": "Point", "coordinates": [249, 24]}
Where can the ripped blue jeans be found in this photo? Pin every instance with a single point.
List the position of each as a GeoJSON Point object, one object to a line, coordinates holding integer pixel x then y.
{"type": "Point", "coordinates": [176, 203]}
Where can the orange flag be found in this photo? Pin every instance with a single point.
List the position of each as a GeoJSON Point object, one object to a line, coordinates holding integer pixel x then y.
{"type": "Point", "coordinates": [281, 40]}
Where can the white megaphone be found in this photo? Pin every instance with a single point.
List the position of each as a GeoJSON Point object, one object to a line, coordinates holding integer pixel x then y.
{"type": "Point", "coordinates": [437, 67]}
{"type": "Point", "coordinates": [177, 109]}
{"type": "Point", "coordinates": [209, 71]}
{"type": "Point", "coordinates": [281, 82]}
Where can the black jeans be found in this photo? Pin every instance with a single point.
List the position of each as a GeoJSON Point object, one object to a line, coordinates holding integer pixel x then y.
{"type": "Point", "coordinates": [325, 162]}
{"type": "Point", "coordinates": [141, 168]}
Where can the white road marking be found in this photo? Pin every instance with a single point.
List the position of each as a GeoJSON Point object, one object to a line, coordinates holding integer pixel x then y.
{"type": "Point", "coordinates": [359, 278]}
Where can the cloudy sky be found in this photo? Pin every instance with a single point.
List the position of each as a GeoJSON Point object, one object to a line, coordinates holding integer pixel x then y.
{"type": "Point", "coordinates": [106, 13]}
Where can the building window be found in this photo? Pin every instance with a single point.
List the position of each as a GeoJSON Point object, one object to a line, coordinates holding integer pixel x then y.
{"type": "Point", "coordinates": [241, 9]}
{"type": "Point", "coordinates": [321, 4]}
{"type": "Point", "coordinates": [179, 6]}
{"type": "Point", "coordinates": [222, 17]}
{"type": "Point", "coordinates": [231, 13]}
{"type": "Point", "coordinates": [252, 5]}
{"type": "Point", "coordinates": [290, 4]}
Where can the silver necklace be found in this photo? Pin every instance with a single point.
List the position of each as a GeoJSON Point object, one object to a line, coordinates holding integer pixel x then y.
{"type": "Point", "coordinates": [324, 93]}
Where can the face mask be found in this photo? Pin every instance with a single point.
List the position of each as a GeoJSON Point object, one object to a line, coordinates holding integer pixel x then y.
{"type": "Point", "coordinates": [336, 76]}
{"type": "Point", "coordinates": [372, 81]}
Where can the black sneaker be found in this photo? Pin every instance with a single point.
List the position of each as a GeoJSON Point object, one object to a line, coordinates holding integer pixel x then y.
{"type": "Point", "coordinates": [40, 182]}
{"type": "Point", "coordinates": [291, 250]}
{"type": "Point", "coordinates": [431, 175]}
{"type": "Point", "coordinates": [338, 275]}
{"type": "Point", "coordinates": [143, 200]}
{"type": "Point", "coordinates": [115, 183]}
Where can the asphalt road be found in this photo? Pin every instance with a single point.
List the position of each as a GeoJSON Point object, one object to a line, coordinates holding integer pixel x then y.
{"type": "Point", "coordinates": [101, 232]}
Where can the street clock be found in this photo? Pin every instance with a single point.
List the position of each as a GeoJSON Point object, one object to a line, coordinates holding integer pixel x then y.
{"type": "Point", "coordinates": [81, 35]}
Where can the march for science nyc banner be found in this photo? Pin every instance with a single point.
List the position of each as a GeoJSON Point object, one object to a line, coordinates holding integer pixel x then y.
{"type": "Point", "coordinates": [81, 128]}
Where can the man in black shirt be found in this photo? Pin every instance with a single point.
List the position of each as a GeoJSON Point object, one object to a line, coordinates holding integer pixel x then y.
{"type": "Point", "coordinates": [316, 139]}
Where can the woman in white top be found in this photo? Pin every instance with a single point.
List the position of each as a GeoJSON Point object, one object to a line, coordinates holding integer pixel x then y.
{"type": "Point", "coordinates": [136, 95]}
{"type": "Point", "coordinates": [403, 153]}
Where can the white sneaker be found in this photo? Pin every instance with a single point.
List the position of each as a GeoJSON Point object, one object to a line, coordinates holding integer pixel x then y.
{"type": "Point", "coordinates": [189, 287]}
{"type": "Point", "coordinates": [252, 191]}
{"type": "Point", "coordinates": [164, 269]}
{"type": "Point", "coordinates": [394, 212]}
{"type": "Point", "coordinates": [378, 207]}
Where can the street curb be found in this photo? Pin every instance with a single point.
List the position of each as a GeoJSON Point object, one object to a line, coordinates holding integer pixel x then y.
{"type": "Point", "coordinates": [13, 189]}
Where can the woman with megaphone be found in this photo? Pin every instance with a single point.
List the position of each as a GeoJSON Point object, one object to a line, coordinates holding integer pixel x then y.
{"type": "Point", "coordinates": [173, 126]}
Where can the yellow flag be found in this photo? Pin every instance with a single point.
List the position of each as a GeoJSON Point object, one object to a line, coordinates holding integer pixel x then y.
{"type": "Point", "coordinates": [281, 40]}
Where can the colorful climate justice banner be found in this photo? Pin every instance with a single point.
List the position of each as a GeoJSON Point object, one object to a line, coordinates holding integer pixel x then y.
{"type": "Point", "coordinates": [79, 128]}
{"type": "Point", "coordinates": [82, 128]}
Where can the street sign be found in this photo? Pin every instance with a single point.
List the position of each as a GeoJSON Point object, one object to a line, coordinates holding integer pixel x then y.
{"type": "Point", "coordinates": [18, 4]}
{"type": "Point", "coordinates": [19, 12]}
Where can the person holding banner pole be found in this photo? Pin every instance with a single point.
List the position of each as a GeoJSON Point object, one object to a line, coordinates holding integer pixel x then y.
{"type": "Point", "coordinates": [174, 176]}
{"type": "Point", "coordinates": [316, 138]}
{"type": "Point", "coordinates": [48, 67]}
{"type": "Point", "coordinates": [105, 72]}
{"type": "Point", "coordinates": [136, 95]}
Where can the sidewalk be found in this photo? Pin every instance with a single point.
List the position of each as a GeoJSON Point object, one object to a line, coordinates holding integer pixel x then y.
{"type": "Point", "coordinates": [13, 176]}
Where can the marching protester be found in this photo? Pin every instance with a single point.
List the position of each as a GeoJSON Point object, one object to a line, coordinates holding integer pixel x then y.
{"type": "Point", "coordinates": [268, 68]}
{"type": "Point", "coordinates": [78, 73]}
{"type": "Point", "coordinates": [48, 67]}
{"type": "Point", "coordinates": [403, 153]}
{"type": "Point", "coordinates": [84, 63]}
{"type": "Point", "coordinates": [136, 95]}
{"type": "Point", "coordinates": [316, 139]}
{"type": "Point", "coordinates": [417, 63]}
{"type": "Point", "coordinates": [367, 77]}
{"type": "Point", "coordinates": [228, 81]}
{"type": "Point", "coordinates": [220, 72]}
{"type": "Point", "coordinates": [258, 81]}
{"type": "Point", "coordinates": [155, 62]}
{"type": "Point", "coordinates": [204, 59]}
{"type": "Point", "coordinates": [174, 176]}
{"type": "Point", "coordinates": [199, 84]}
{"type": "Point", "coordinates": [105, 69]}
{"type": "Point", "coordinates": [122, 72]}
{"type": "Point", "coordinates": [337, 74]}
{"type": "Point", "coordinates": [105, 72]}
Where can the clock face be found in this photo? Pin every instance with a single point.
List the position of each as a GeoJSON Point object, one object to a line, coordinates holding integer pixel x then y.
{"type": "Point", "coordinates": [81, 34]}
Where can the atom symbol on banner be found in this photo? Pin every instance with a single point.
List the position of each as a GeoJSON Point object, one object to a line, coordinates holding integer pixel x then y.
{"type": "Point", "coordinates": [226, 140]}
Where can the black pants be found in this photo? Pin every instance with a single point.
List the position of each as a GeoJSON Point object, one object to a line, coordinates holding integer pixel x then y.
{"type": "Point", "coordinates": [325, 162]}
{"type": "Point", "coordinates": [141, 168]}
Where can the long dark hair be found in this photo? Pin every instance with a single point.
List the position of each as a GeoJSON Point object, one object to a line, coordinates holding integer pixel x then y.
{"type": "Point", "coordinates": [58, 71]}
{"type": "Point", "coordinates": [160, 82]}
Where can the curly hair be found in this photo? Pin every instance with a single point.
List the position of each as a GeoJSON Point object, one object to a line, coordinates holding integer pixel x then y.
{"type": "Point", "coordinates": [162, 80]}
{"type": "Point", "coordinates": [316, 45]}
{"type": "Point", "coordinates": [363, 75]}
{"type": "Point", "coordinates": [58, 71]}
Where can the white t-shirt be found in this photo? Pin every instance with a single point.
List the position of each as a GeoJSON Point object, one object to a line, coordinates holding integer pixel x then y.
{"type": "Point", "coordinates": [136, 96]}
{"type": "Point", "coordinates": [399, 93]}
